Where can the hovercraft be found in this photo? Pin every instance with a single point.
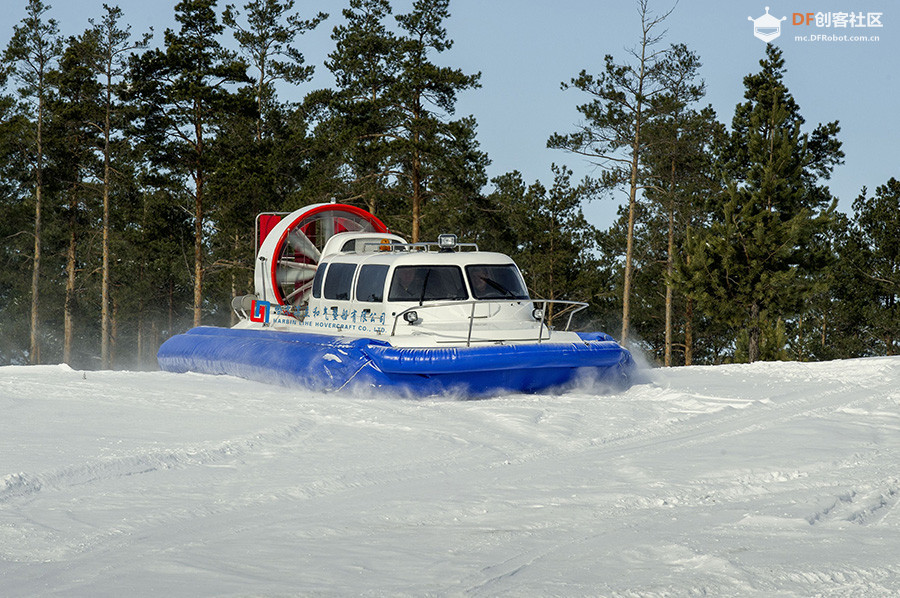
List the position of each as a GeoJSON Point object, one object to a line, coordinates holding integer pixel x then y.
{"type": "Point", "coordinates": [341, 303]}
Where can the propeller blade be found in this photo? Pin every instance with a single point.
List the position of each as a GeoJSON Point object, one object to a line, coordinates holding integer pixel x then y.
{"type": "Point", "coordinates": [292, 272]}
{"type": "Point", "coordinates": [297, 265]}
{"type": "Point", "coordinates": [302, 291]}
{"type": "Point", "coordinates": [300, 242]}
{"type": "Point", "coordinates": [348, 225]}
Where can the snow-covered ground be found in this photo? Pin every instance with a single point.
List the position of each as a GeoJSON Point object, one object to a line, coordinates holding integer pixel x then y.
{"type": "Point", "coordinates": [771, 479]}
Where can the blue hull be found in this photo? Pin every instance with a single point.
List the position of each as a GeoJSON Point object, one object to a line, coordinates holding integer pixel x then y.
{"type": "Point", "coordinates": [330, 363]}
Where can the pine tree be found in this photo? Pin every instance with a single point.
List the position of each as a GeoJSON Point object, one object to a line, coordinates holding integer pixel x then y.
{"type": "Point", "coordinates": [154, 285]}
{"type": "Point", "coordinates": [113, 45]}
{"type": "Point", "coordinates": [262, 175]}
{"type": "Point", "coordinates": [679, 149]}
{"type": "Point", "coordinates": [185, 92]}
{"type": "Point", "coordinates": [547, 234]}
{"type": "Point", "coordinates": [681, 143]}
{"type": "Point", "coordinates": [32, 53]}
{"type": "Point", "coordinates": [755, 262]}
{"type": "Point", "coordinates": [838, 323]}
{"type": "Point", "coordinates": [353, 131]}
{"type": "Point", "coordinates": [389, 125]}
{"type": "Point", "coordinates": [611, 136]}
{"type": "Point", "coordinates": [459, 175]}
{"type": "Point", "coordinates": [16, 189]}
{"type": "Point", "coordinates": [266, 42]}
{"type": "Point", "coordinates": [425, 93]}
{"type": "Point", "coordinates": [877, 223]}
{"type": "Point", "coordinates": [73, 107]}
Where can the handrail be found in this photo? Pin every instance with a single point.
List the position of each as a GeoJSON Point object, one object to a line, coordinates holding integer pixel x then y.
{"type": "Point", "coordinates": [574, 306]}
{"type": "Point", "coordinates": [423, 246]}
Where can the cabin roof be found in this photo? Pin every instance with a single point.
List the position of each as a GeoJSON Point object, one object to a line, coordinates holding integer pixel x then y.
{"type": "Point", "coordinates": [390, 249]}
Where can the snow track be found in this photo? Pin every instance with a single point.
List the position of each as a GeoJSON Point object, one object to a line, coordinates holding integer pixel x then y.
{"type": "Point", "coordinates": [764, 479]}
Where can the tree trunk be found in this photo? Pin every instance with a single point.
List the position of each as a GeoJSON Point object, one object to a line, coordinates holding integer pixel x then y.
{"type": "Point", "coordinates": [259, 102]}
{"type": "Point", "coordinates": [198, 258]}
{"type": "Point", "coordinates": [154, 336]}
{"type": "Point", "coordinates": [69, 309]}
{"type": "Point", "coordinates": [632, 195]}
{"type": "Point", "coordinates": [416, 200]}
{"type": "Point", "coordinates": [416, 176]}
{"type": "Point", "coordinates": [670, 269]}
{"type": "Point", "coordinates": [234, 275]}
{"type": "Point", "coordinates": [824, 330]}
{"type": "Point", "coordinates": [171, 310]}
{"type": "Point", "coordinates": [198, 225]}
{"type": "Point", "coordinates": [629, 250]}
{"type": "Point", "coordinates": [140, 342]}
{"type": "Point", "coordinates": [142, 324]}
{"type": "Point", "coordinates": [114, 333]}
{"type": "Point", "coordinates": [890, 337]}
{"type": "Point", "coordinates": [104, 276]}
{"type": "Point", "coordinates": [35, 350]}
{"type": "Point", "coordinates": [753, 345]}
{"type": "Point", "coordinates": [689, 332]}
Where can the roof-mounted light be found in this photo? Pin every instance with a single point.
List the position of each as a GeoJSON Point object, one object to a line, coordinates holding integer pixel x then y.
{"type": "Point", "coordinates": [447, 242]}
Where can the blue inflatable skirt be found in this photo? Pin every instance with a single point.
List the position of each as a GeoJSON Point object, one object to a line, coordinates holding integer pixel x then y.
{"type": "Point", "coordinates": [329, 363]}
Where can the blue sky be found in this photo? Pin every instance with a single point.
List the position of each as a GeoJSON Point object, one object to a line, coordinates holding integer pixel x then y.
{"type": "Point", "coordinates": [524, 49]}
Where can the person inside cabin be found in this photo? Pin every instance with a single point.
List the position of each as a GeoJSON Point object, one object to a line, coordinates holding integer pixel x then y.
{"type": "Point", "coordinates": [427, 283]}
{"type": "Point", "coordinates": [407, 284]}
{"type": "Point", "coordinates": [480, 287]}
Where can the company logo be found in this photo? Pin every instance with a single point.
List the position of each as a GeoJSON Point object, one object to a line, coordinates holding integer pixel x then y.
{"type": "Point", "coordinates": [766, 27]}
{"type": "Point", "coordinates": [259, 311]}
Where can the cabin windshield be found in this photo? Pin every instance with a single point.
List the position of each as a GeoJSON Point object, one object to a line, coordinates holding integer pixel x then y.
{"type": "Point", "coordinates": [496, 282]}
{"type": "Point", "coordinates": [427, 283]}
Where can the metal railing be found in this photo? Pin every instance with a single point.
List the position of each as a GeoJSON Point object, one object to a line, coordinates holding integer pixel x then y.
{"type": "Point", "coordinates": [414, 247]}
{"type": "Point", "coordinates": [570, 307]}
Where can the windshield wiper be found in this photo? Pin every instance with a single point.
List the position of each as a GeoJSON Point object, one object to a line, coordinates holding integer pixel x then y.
{"type": "Point", "coordinates": [506, 292]}
{"type": "Point", "coordinates": [424, 287]}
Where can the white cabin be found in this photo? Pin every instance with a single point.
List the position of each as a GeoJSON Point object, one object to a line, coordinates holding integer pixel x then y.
{"type": "Point", "coordinates": [378, 285]}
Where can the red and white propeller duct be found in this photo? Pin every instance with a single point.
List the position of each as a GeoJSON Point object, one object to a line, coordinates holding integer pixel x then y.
{"type": "Point", "coordinates": [288, 256]}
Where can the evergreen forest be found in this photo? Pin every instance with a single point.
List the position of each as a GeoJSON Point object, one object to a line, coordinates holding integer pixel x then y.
{"type": "Point", "coordinates": [132, 167]}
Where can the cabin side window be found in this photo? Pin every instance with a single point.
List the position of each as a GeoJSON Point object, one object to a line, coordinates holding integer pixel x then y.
{"type": "Point", "coordinates": [338, 281]}
{"type": "Point", "coordinates": [501, 281]}
{"type": "Point", "coordinates": [427, 283]}
{"type": "Point", "coordinates": [317, 281]}
{"type": "Point", "coordinates": [370, 284]}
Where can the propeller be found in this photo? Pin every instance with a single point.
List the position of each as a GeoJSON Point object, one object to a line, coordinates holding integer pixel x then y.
{"type": "Point", "coordinates": [298, 251]}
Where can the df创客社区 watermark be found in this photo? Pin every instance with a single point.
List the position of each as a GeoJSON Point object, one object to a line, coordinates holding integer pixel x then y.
{"type": "Point", "coordinates": [836, 26]}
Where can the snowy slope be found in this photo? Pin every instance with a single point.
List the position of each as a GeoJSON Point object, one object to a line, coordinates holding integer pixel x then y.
{"type": "Point", "coordinates": [766, 479]}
